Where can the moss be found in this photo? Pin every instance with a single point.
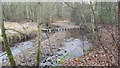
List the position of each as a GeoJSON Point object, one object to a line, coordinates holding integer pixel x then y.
{"type": "Point", "coordinates": [7, 47]}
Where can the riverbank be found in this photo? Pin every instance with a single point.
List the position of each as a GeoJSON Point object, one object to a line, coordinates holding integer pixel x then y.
{"type": "Point", "coordinates": [54, 48]}
{"type": "Point", "coordinates": [104, 53]}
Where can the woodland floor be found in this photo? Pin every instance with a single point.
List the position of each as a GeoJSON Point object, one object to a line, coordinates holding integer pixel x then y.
{"type": "Point", "coordinates": [28, 56]}
{"type": "Point", "coordinates": [105, 53]}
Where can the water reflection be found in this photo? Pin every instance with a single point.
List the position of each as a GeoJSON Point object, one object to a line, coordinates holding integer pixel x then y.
{"type": "Point", "coordinates": [75, 44]}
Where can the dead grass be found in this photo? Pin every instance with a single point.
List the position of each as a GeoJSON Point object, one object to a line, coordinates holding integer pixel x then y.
{"type": "Point", "coordinates": [16, 30]}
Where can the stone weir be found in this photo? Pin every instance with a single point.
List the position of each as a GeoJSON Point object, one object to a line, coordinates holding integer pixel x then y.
{"type": "Point", "coordinates": [61, 29]}
{"type": "Point", "coordinates": [28, 31]}
{"type": "Point", "coordinates": [22, 37]}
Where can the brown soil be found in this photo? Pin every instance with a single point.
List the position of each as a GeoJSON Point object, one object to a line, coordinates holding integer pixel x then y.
{"type": "Point", "coordinates": [102, 55]}
{"type": "Point", "coordinates": [28, 57]}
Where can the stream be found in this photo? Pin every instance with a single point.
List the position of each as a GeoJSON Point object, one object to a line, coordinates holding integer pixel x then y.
{"type": "Point", "coordinates": [74, 45]}
{"type": "Point", "coordinates": [70, 50]}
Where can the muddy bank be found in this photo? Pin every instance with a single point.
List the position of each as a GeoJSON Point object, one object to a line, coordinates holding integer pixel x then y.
{"type": "Point", "coordinates": [19, 47]}
{"type": "Point", "coordinates": [57, 46]}
{"type": "Point", "coordinates": [19, 32]}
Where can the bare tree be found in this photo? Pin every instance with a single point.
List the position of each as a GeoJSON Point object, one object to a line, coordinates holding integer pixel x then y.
{"type": "Point", "coordinates": [39, 34]}
{"type": "Point", "coordinates": [119, 19]}
{"type": "Point", "coordinates": [118, 42]}
{"type": "Point", "coordinates": [5, 40]}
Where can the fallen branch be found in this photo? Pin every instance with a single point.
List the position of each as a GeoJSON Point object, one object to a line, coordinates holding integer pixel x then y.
{"type": "Point", "coordinates": [16, 31]}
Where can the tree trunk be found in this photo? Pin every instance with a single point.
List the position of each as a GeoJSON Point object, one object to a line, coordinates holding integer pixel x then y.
{"type": "Point", "coordinates": [5, 40]}
{"type": "Point", "coordinates": [39, 34]}
{"type": "Point", "coordinates": [118, 42]}
{"type": "Point", "coordinates": [119, 17]}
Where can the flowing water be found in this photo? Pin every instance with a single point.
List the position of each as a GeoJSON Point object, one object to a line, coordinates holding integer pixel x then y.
{"type": "Point", "coordinates": [73, 46]}
{"type": "Point", "coordinates": [17, 49]}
